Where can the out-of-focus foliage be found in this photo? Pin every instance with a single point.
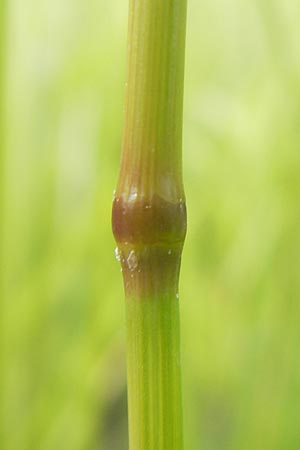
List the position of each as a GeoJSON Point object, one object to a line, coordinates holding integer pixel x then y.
{"type": "Point", "coordinates": [64, 375]}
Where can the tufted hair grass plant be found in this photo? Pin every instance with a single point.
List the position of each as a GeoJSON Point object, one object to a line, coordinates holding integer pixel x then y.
{"type": "Point", "coordinates": [149, 220]}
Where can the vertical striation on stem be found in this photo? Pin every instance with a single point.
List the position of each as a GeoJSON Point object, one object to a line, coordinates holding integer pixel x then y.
{"type": "Point", "coordinates": [149, 220]}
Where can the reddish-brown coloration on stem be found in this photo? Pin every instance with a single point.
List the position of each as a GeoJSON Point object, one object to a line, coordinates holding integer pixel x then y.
{"type": "Point", "coordinates": [150, 236]}
{"type": "Point", "coordinates": [149, 222]}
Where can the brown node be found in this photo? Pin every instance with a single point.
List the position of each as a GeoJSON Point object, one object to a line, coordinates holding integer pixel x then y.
{"type": "Point", "coordinates": [148, 221]}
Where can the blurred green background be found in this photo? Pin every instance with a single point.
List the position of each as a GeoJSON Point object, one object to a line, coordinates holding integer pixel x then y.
{"type": "Point", "coordinates": [62, 308]}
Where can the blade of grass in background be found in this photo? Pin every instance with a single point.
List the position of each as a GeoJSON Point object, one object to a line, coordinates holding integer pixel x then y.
{"type": "Point", "coordinates": [2, 188]}
{"type": "Point", "coordinates": [2, 121]}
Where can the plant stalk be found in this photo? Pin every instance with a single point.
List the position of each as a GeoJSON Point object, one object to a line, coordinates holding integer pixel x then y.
{"type": "Point", "coordinates": [149, 220]}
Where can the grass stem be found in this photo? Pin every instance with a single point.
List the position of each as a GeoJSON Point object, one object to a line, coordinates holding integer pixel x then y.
{"type": "Point", "coordinates": [149, 220]}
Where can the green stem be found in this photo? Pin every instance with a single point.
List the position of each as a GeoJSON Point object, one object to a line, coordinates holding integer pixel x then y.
{"type": "Point", "coordinates": [149, 220]}
{"type": "Point", "coordinates": [154, 389]}
{"type": "Point", "coordinates": [152, 140]}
